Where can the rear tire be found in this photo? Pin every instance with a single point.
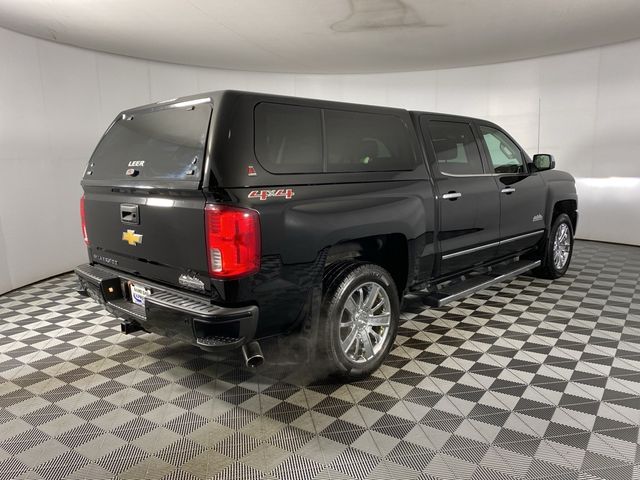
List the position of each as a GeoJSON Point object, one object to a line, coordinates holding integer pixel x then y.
{"type": "Point", "coordinates": [359, 321]}
{"type": "Point", "coordinates": [558, 249]}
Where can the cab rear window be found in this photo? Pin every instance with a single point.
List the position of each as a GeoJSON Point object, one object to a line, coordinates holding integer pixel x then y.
{"type": "Point", "coordinates": [167, 144]}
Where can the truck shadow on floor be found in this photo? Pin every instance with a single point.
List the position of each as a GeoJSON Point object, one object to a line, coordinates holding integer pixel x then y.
{"type": "Point", "coordinates": [288, 360]}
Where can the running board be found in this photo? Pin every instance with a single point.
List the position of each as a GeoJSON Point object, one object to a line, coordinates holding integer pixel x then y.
{"type": "Point", "coordinates": [474, 284]}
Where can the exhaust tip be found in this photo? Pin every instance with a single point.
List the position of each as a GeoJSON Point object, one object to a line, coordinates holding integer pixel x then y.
{"type": "Point", "coordinates": [255, 361]}
{"type": "Point", "coordinates": [252, 353]}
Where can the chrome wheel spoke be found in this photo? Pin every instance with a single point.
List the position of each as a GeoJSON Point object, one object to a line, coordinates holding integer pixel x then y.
{"type": "Point", "coordinates": [349, 323]}
{"type": "Point", "coordinates": [378, 305]}
{"type": "Point", "coordinates": [367, 346]}
{"type": "Point", "coordinates": [360, 294]}
{"type": "Point", "coordinates": [376, 336]}
{"type": "Point", "coordinates": [351, 306]}
{"type": "Point", "coordinates": [565, 234]}
{"type": "Point", "coordinates": [379, 320]}
{"type": "Point", "coordinates": [373, 294]}
{"type": "Point", "coordinates": [357, 351]}
{"type": "Point", "coordinates": [348, 342]}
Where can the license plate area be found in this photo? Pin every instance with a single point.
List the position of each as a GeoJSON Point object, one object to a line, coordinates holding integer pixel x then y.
{"type": "Point", "coordinates": [138, 293]}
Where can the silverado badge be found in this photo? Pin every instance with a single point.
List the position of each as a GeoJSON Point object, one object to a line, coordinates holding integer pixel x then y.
{"type": "Point", "coordinates": [131, 237]}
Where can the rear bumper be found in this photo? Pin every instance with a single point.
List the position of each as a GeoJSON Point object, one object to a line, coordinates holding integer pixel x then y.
{"type": "Point", "coordinates": [170, 312]}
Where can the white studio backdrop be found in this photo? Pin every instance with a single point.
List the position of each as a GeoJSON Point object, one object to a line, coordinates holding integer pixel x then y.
{"type": "Point", "coordinates": [56, 101]}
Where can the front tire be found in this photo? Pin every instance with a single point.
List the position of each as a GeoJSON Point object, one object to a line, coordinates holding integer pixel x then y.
{"type": "Point", "coordinates": [558, 249]}
{"type": "Point", "coordinates": [360, 317]}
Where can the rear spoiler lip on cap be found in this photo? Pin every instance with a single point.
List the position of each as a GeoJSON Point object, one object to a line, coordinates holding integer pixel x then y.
{"type": "Point", "coordinates": [183, 102]}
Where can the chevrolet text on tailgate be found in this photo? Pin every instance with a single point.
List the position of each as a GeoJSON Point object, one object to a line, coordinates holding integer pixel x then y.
{"type": "Point", "coordinates": [229, 217]}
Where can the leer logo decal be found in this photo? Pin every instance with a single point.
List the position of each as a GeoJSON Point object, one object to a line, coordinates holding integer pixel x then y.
{"type": "Point", "coordinates": [287, 193]}
{"type": "Point", "coordinates": [131, 237]}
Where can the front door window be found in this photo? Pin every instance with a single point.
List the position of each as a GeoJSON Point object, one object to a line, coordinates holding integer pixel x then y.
{"type": "Point", "coordinates": [505, 155]}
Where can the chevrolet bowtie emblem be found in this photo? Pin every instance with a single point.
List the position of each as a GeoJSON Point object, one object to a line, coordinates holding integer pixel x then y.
{"type": "Point", "coordinates": [131, 237]}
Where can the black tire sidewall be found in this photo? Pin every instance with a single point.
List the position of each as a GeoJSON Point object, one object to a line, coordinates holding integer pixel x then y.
{"type": "Point", "coordinates": [334, 306]}
{"type": "Point", "coordinates": [551, 268]}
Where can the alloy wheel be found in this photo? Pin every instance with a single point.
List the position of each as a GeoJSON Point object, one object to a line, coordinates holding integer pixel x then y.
{"type": "Point", "coordinates": [561, 246]}
{"type": "Point", "coordinates": [365, 322]}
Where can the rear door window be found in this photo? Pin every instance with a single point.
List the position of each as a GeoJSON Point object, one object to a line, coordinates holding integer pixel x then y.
{"type": "Point", "coordinates": [288, 138]}
{"type": "Point", "coordinates": [167, 144]}
{"type": "Point", "coordinates": [366, 142]}
{"type": "Point", "coordinates": [456, 148]}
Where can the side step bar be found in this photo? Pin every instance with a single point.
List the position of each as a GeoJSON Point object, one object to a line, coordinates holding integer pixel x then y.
{"type": "Point", "coordinates": [475, 283]}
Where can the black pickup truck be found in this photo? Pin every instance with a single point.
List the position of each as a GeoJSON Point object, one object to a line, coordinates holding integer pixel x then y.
{"type": "Point", "coordinates": [225, 218]}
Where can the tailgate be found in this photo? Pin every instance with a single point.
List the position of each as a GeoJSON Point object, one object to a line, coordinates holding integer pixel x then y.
{"type": "Point", "coordinates": [166, 241]}
{"type": "Point", "coordinates": [144, 207]}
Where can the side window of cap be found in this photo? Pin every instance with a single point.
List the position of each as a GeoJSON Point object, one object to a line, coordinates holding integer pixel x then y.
{"type": "Point", "coordinates": [288, 138]}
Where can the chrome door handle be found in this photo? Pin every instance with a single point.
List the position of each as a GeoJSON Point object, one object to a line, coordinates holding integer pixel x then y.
{"type": "Point", "coordinates": [508, 190]}
{"type": "Point", "coordinates": [452, 195]}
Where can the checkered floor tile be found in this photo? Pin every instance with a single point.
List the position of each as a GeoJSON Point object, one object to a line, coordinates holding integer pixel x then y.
{"type": "Point", "coordinates": [528, 379]}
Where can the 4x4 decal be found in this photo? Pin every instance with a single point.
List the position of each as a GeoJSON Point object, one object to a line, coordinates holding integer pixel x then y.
{"type": "Point", "coordinates": [287, 193]}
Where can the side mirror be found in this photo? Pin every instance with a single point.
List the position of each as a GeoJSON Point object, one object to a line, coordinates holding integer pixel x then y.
{"type": "Point", "coordinates": [543, 161]}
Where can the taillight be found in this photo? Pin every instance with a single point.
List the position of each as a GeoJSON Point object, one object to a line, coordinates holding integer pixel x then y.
{"type": "Point", "coordinates": [84, 222]}
{"type": "Point", "coordinates": [233, 241]}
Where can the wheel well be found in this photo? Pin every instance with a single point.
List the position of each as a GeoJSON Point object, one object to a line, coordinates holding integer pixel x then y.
{"type": "Point", "coordinates": [570, 207]}
{"type": "Point", "coordinates": [389, 251]}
